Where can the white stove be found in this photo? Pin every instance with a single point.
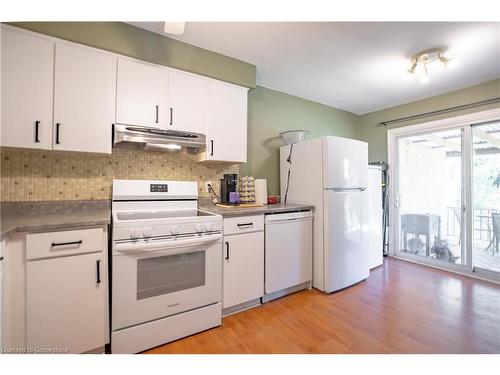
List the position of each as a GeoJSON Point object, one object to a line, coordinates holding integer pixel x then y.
{"type": "Point", "coordinates": [167, 258]}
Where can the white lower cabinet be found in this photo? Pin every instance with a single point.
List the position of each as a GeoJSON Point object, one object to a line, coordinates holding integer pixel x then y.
{"type": "Point", "coordinates": [2, 245]}
{"type": "Point", "coordinates": [243, 261]}
{"type": "Point", "coordinates": [66, 303]}
{"type": "Point", "coordinates": [55, 296]}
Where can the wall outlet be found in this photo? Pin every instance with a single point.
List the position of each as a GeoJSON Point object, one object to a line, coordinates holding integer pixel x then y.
{"type": "Point", "coordinates": [207, 189]}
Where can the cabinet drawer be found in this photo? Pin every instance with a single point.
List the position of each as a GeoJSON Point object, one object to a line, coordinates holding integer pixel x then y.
{"type": "Point", "coordinates": [243, 224]}
{"type": "Point", "coordinates": [70, 242]}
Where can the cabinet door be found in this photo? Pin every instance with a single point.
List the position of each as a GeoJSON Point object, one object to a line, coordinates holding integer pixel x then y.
{"type": "Point", "coordinates": [227, 123]}
{"type": "Point", "coordinates": [2, 245]}
{"type": "Point", "coordinates": [243, 271]}
{"type": "Point", "coordinates": [84, 92]}
{"type": "Point", "coordinates": [1, 305]}
{"type": "Point", "coordinates": [140, 95]}
{"type": "Point", "coordinates": [65, 303]}
{"type": "Point", "coordinates": [188, 96]}
{"type": "Point", "coordinates": [27, 66]}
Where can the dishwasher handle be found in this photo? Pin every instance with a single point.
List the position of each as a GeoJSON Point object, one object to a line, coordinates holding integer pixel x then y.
{"type": "Point", "coordinates": [289, 217]}
{"type": "Point", "coordinates": [288, 220]}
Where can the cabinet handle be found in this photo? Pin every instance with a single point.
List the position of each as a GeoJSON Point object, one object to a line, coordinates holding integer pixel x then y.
{"type": "Point", "coordinates": [227, 250]}
{"type": "Point", "coordinates": [58, 125]}
{"type": "Point", "coordinates": [211, 148]}
{"type": "Point", "coordinates": [54, 244]}
{"type": "Point", "coordinates": [245, 225]}
{"type": "Point", "coordinates": [98, 266]}
{"type": "Point", "coordinates": [1, 258]}
{"type": "Point", "coordinates": [37, 125]}
{"type": "Point", "coordinates": [171, 116]}
{"type": "Point", "coordinates": [156, 119]}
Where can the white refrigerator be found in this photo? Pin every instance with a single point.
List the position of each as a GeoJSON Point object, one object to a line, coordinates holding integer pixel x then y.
{"type": "Point", "coordinates": [331, 173]}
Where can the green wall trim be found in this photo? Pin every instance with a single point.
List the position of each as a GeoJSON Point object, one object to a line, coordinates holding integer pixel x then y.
{"type": "Point", "coordinates": [141, 44]}
{"type": "Point", "coordinates": [271, 112]}
{"type": "Point", "coordinates": [377, 136]}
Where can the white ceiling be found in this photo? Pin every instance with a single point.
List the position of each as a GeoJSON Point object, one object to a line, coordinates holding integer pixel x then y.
{"type": "Point", "coordinates": [357, 67]}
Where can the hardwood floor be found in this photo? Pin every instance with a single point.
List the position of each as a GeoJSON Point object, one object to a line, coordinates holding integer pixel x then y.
{"type": "Point", "coordinates": [401, 308]}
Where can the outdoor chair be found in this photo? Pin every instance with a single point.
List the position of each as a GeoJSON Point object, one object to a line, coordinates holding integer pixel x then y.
{"type": "Point", "coordinates": [495, 240]}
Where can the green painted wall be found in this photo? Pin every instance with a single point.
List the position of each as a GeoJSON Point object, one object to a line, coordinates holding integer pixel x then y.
{"type": "Point", "coordinates": [131, 41]}
{"type": "Point", "coordinates": [270, 112]}
{"type": "Point", "coordinates": [377, 137]}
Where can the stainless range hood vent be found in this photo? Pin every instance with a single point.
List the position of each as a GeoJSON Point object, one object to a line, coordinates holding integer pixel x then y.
{"type": "Point", "coordinates": [157, 139]}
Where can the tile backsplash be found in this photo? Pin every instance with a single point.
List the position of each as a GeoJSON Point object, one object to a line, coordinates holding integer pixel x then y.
{"type": "Point", "coordinates": [37, 175]}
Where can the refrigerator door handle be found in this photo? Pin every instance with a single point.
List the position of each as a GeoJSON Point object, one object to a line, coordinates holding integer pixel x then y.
{"type": "Point", "coordinates": [346, 190]}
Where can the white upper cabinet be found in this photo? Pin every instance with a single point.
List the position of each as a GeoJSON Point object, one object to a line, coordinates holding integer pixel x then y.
{"type": "Point", "coordinates": [65, 96]}
{"type": "Point", "coordinates": [141, 94]}
{"type": "Point", "coordinates": [187, 101]}
{"type": "Point", "coordinates": [84, 99]}
{"type": "Point", "coordinates": [226, 123]}
{"type": "Point", "coordinates": [27, 74]}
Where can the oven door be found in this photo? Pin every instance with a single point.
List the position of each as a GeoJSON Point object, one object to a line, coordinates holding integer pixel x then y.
{"type": "Point", "coordinates": [161, 277]}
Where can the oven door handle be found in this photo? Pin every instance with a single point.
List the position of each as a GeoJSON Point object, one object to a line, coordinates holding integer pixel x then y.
{"type": "Point", "coordinates": [140, 247]}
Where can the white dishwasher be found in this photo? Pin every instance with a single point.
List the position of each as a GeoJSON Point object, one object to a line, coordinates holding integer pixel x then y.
{"type": "Point", "coordinates": [288, 253]}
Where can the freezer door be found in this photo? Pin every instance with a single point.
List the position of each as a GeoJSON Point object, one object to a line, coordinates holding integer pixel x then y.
{"type": "Point", "coordinates": [346, 239]}
{"type": "Point", "coordinates": [345, 163]}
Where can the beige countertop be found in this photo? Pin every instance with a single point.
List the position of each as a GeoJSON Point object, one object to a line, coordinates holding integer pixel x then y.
{"type": "Point", "coordinates": [41, 216]}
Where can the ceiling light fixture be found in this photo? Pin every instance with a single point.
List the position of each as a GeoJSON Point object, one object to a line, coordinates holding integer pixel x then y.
{"type": "Point", "coordinates": [175, 28]}
{"type": "Point", "coordinates": [422, 61]}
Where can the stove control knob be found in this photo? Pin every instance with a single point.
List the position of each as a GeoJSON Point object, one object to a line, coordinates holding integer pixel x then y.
{"type": "Point", "coordinates": [199, 228]}
{"type": "Point", "coordinates": [147, 233]}
{"type": "Point", "coordinates": [208, 227]}
{"type": "Point", "coordinates": [174, 229]}
{"type": "Point", "coordinates": [134, 233]}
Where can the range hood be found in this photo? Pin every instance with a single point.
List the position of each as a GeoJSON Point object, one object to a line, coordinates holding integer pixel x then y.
{"type": "Point", "coordinates": [157, 139]}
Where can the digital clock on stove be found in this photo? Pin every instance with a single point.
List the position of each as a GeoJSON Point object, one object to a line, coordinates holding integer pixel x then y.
{"type": "Point", "coordinates": [158, 188]}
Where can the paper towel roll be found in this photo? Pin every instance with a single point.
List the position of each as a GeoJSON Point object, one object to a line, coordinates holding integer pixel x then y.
{"type": "Point", "coordinates": [261, 191]}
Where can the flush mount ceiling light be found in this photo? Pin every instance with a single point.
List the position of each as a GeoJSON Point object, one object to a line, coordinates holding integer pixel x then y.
{"type": "Point", "coordinates": [424, 61]}
{"type": "Point", "coordinates": [175, 28]}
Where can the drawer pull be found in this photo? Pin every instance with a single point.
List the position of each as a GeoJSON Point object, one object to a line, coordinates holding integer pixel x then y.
{"type": "Point", "coordinates": [98, 266]}
{"type": "Point", "coordinates": [245, 224]}
{"type": "Point", "coordinates": [54, 244]}
{"type": "Point", "coordinates": [37, 125]}
{"type": "Point", "coordinates": [58, 126]}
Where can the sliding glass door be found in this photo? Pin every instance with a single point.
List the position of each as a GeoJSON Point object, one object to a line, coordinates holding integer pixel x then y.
{"type": "Point", "coordinates": [446, 197]}
{"type": "Point", "coordinates": [431, 196]}
{"type": "Point", "coordinates": [486, 197]}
